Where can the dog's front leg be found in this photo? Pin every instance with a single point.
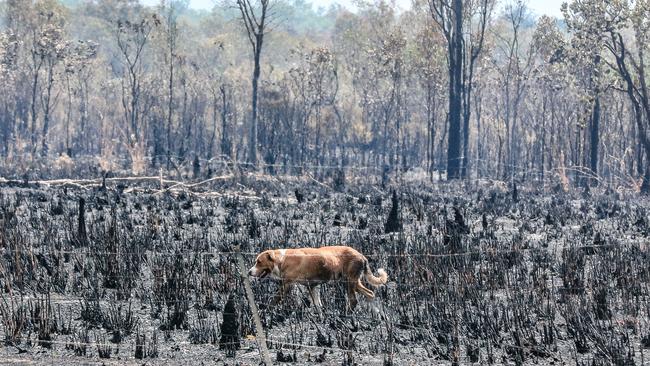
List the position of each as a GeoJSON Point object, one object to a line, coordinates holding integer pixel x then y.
{"type": "Point", "coordinates": [314, 293]}
{"type": "Point", "coordinates": [285, 286]}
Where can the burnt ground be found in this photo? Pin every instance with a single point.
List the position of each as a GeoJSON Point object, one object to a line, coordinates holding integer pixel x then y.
{"type": "Point", "coordinates": [478, 274]}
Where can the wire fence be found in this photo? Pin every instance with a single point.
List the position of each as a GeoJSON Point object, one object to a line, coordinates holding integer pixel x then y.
{"type": "Point", "coordinates": [491, 252]}
{"type": "Point", "coordinates": [480, 168]}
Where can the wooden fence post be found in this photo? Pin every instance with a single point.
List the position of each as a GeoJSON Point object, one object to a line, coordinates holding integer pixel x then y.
{"type": "Point", "coordinates": [260, 336]}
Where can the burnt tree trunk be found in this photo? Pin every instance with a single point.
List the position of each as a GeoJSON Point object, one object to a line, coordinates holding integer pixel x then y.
{"type": "Point", "coordinates": [81, 224]}
{"type": "Point", "coordinates": [594, 140]}
{"type": "Point", "coordinates": [226, 147]}
{"type": "Point", "coordinates": [455, 93]}
{"type": "Point", "coordinates": [252, 143]}
{"type": "Point", "coordinates": [638, 97]}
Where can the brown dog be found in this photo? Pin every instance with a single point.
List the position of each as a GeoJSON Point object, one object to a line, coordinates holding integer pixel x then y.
{"type": "Point", "coordinates": [314, 266]}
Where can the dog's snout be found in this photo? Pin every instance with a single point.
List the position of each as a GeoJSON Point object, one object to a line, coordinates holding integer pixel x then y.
{"type": "Point", "coordinates": [252, 271]}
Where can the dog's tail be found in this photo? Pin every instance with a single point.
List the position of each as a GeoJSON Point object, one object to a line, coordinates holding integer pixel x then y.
{"type": "Point", "coordinates": [375, 280]}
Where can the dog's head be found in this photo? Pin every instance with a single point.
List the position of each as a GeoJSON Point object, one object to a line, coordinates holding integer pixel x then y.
{"type": "Point", "coordinates": [264, 265]}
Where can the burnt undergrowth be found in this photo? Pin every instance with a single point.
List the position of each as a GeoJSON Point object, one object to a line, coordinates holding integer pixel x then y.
{"type": "Point", "coordinates": [477, 275]}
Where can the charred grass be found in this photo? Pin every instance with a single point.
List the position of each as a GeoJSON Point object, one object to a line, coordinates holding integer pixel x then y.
{"type": "Point", "coordinates": [477, 275]}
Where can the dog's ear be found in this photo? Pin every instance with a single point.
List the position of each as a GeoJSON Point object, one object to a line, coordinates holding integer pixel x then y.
{"type": "Point", "coordinates": [269, 256]}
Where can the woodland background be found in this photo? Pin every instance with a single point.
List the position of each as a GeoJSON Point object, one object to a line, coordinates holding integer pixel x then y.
{"type": "Point", "coordinates": [455, 88]}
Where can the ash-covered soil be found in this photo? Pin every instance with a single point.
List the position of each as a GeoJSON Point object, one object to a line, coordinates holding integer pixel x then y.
{"type": "Point", "coordinates": [478, 275]}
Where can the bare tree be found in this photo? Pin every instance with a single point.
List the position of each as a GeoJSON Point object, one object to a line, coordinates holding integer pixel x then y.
{"type": "Point", "coordinates": [478, 18]}
{"type": "Point", "coordinates": [169, 10]}
{"type": "Point", "coordinates": [132, 37]}
{"type": "Point", "coordinates": [50, 51]}
{"type": "Point", "coordinates": [448, 14]}
{"type": "Point", "coordinates": [517, 64]}
{"type": "Point", "coordinates": [550, 82]}
{"type": "Point", "coordinates": [47, 51]}
{"type": "Point", "coordinates": [255, 20]}
{"type": "Point", "coordinates": [78, 72]}
{"type": "Point", "coordinates": [463, 25]}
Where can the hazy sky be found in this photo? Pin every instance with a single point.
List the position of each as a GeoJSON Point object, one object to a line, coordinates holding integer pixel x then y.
{"type": "Point", "coordinates": [539, 7]}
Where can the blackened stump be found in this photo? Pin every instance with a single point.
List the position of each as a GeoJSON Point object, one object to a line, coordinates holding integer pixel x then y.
{"type": "Point", "coordinates": [230, 328]}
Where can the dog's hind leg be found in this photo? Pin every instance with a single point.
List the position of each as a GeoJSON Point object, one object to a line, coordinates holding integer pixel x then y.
{"type": "Point", "coordinates": [364, 290]}
{"type": "Point", "coordinates": [352, 295]}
